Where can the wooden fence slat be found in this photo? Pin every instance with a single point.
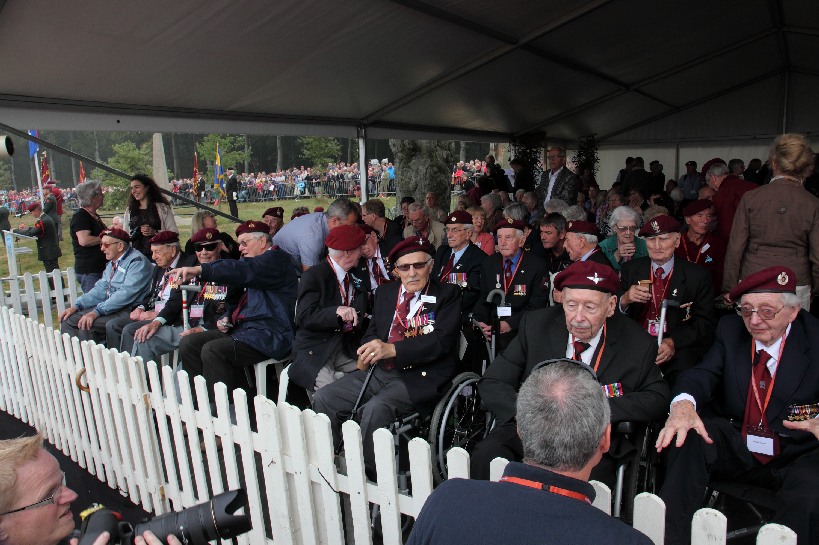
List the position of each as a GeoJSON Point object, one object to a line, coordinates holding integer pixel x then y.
{"type": "Point", "coordinates": [297, 446]}
{"type": "Point", "coordinates": [357, 482]}
{"type": "Point", "coordinates": [420, 456]}
{"type": "Point", "coordinates": [602, 499]}
{"type": "Point", "coordinates": [30, 297]}
{"type": "Point", "coordinates": [649, 516]}
{"type": "Point", "coordinates": [457, 463]}
{"type": "Point", "coordinates": [59, 292]}
{"type": "Point", "coordinates": [244, 437]}
{"type": "Point", "coordinates": [52, 364]}
{"type": "Point", "coordinates": [101, 409]}
{"type": "Point", "coordinates": [45, 298]}
{"type": "Point", "coordinates": [270, 445]}
{"type": "Point", "coordinates": [190, 418]}
{"type": "Point", "coordinates": [386, 470]}
{"type": "Point", "coordinates": [329, 484]}
{"type": "Point", "coordinates": [16, 296]}
{"type": "Point", "coordinates": [496, 468]}
{"type": "Point", "coordinates": [86, 399]}
{"type": "Point", "coordinates": [708, 527]}
{"type": "Point", "coordinates": [776, 534]}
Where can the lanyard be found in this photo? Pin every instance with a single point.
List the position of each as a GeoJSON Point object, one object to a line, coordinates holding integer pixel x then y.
{"type": "Point", "coordinates": [551, 488]}
{"type": "Point", "coordinates": [699, 251]}
{"type": "Point", "coordinates": [512, 277]}
{"type": "Point", "coordinates": [599, 352]}
{"type": "Point", "coordinates": [763, 408]}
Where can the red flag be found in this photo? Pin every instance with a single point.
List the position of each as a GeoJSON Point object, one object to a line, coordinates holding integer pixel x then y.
{"type": "Point", "coordinates": [45, 174]}
{"type": "Point", "coordinates": [82, 173]}
{"type": "Point", "coordinates": [195, 168]}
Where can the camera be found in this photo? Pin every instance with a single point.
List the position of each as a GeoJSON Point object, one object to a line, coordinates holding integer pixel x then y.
{"type": "Point", "coordinates": [197, 525]}
{"type": "Point", "coordinates": [135, 232]}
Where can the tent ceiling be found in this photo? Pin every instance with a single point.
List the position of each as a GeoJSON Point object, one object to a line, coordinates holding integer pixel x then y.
{"type": "Point", "coordinates": [627, 70]}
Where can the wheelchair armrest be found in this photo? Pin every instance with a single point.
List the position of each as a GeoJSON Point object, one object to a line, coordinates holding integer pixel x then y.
{"type": "Point", "coordinates": [625, 427]}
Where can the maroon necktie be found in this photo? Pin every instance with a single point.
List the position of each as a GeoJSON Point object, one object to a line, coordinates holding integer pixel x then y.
{"type": "Point", "coordinates": [399, 326]}
{"type": "Point", "coordinates": [346, 295]}
{"type": "Point", "coordinates": [507, 270]}
{"type": "Point", "coordinates": [236, 316]}
{"type": "Point", "coordinates": [448, 267]}
{"type": "Point", "coordinates": [376, 270]}
{"type": "Point", "coordinates": [579, 348]}
{"type": "Point", "coordinates": [753, 415]}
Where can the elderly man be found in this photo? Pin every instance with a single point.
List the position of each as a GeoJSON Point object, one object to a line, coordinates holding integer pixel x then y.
{"type": "Point", "coordinates": [390, 233]}
{"type": "Point", "coordinates": [331, 313]}
{"type": "Point", "coordinates": [414, 358]}
{"type": "Point", "coordinates": [581, 242]}
{"type": "Point", "coordinates": [761, 371]}
{"type": "Point", "coordinates": [492, 206]}
{"type": "Point", "coordinates": [563, 419]}
{"type": "Point", "coordinates": [699, 245]}
{"type": "Point", "coordinates": [45, 231]}
{"type": "Point", "coordinates": [274, 218]}
{"type": "Point", "coordinates": [165, 331]}
{"type": "Point", "coordinates": [558, 182]}
{"type": "Point", "coordinates": [125, 282]}
{"type": "Point", "coordinates": [421, 225]}
{"type": "Point", "coordinates": [588, 328]}
{"type": "Point", "coordinates": [260, 326]}
{"type": "Point", "coordinates": [461, 262]}
{"type": "Point", "coordinates": [373, 262]}
{"type": "Point", "coordinates": [167, 254]}
{"type": "Point", "coordinates": [303, 238]}
{"type": "Point", "coordinates": [522, 277]}
{"type": "Point", "coordinates": [690, 319]}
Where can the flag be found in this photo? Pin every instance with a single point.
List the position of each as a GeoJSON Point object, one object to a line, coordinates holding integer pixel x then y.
{"type": "Point", "coordinates": [219, 176]}
{"type": "Point", "coordinates": [33, 147]}
{"type": "Point", "coordinates": [82, 173]}
{"type": "Point", "coordinates": [45, 174]}
{"type": "Point", "coordinates": [195, 169]}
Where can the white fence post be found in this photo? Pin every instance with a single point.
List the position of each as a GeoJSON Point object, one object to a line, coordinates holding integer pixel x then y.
{"type": "Point", "coordinates": [709, 527]}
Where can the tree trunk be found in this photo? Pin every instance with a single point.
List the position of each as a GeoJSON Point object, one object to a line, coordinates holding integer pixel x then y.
{"type": "Point", "coordinates": [279, 154]}
{"type": "Point", "coordinates": [463, 152]}
{"type": "Point", "coordinates": [97, 148]}
{"type": "Point", "coordinates": [422, 166]}
{"type": "Point", "coordinates": [175, 158]}
{"type": "Point", "coordinates": [247, 155]}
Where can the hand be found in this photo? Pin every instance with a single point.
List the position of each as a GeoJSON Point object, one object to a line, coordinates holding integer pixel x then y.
{"type": "Point", "coordinates": [67, 312]}
{"type": "Point", "coordinates": [505, 327]}
{"type": "Point", "coordinates": [626, 249]}
{"type": "Point", "coordinates": [136, 315]}
{"type": "Point", "coordinates": [486, 329]}
{"type": "Point", "coordinates": [375, 351]}
{"type": "Point", "coordinates": [223, 325]}
{"type": "Point", "coordinates": [147, 230]}
{"type": "Point", "coordinates": [665, 352]}
{"type": "Point", "coordinates": [185, 273]}
{"type": "Point", "coordinates": [102, 539]}
{"type": "Point", "coordinates": [191, 331]}
{"type": "Point", "coordinates": [635, 294]}
{"type": "Point", "coordinates": [149, 314]}
{"type": "Point", "coordinates": [683, 417]}
{"type": "Point", "coordinates": [146, 332]}
{"type": "Point", "coordinates": [811, 426]}
{"type": "Point", "coordinates": [347, 314]}
{"type": "Point", "coordinates": [726, 299]}
{"type": "Point", "coordinates": [557, 295]}
{"type": "Point", "coordinates": [87, 321]}
{"type": "Point", "coordinates": [148, 538]}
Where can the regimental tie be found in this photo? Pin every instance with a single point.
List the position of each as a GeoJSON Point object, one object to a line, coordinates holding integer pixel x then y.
{"type": "Point", "coordinates": [346, 299]}
{"type": "Point", "coordinates": [579, 348]}
{"type": "Point", "coordinates": [399, 326]}
{"type": "Point", "coordinates": [754, 417]}
{"type": "Point", "coordinates": [448, 267]}
{"type": "Point", "coordinates": [376, 270]}
{"type": "Point", "coordinates": [507, 271]}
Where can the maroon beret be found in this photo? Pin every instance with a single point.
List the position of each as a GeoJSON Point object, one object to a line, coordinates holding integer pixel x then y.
{"type": "Point", "coordinates": [33, 206]}
{"type": "Point", "coordinates": [695, 207]}
{"type": "Point", "coordinates": [509, 223]}
{"type": "Point", "coordinates": [588, 275]}
{"type": "Point", "coordinates": [318, 209]}
{"type": "Point", "coordinates": [708, 164]}
{"type": "Point", "coordinates": [771, 280]}
{"type": "Point", "coordinates": [411, 245]}
{"type": "Point", "coordinates": [366, 228]}
{"type": "Point", "coordinates": [165, 237]}
{"type": "Point", "coordinates": [206, 235]}
{"type": "Point", "coordinates": [345, 238]}
{"type": "Point", "coordinates": [252, 226]}
{"type": "Point", "coordinates": [583, 227]}
{"type": "Point", "coordinates": [118, 234]}
{"type": "Point", "coordinates": [459, 216]}
{"type": "Point", "coordinates": [276, 212]}
{"type": "Point", "coordinates": [660, 225]}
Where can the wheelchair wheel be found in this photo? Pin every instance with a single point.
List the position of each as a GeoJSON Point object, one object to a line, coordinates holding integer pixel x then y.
{"type": "Point", "coordinates": [640, 475]}
{"type": "Point", "coordinates": [458, 421]}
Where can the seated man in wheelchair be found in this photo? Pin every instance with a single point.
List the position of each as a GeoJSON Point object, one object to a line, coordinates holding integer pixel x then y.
{"type": "Point", "coordinates": [762, 371]}
{"type": "Point", "coordinates": [331, 312]}
{"type": "Point", "coordinates": [409, 352]}
{"type": "Point", "coordinates": [587, 328]}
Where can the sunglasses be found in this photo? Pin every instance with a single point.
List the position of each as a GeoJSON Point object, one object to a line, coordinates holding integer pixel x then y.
{"type": "Point", "coordinates": [108, 244]}
{"type": "Point", "coordinates": [210, 246]}
{"type": "Point", "coordinates": [417, 266]}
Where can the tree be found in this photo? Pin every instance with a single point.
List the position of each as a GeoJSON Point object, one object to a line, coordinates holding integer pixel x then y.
{"type": "Point", "coordinates": [586, 156]}
{"type": "Point", "coordinates": [422, 166]}
{"type": "Point", "coordinates": [232, 152]}
{"type": "Point", "coordinates": [127, 158]}
{"type": "Point", "coordinates": [320, 150]}
{"type": "Point", "coordinates": [5, 175]}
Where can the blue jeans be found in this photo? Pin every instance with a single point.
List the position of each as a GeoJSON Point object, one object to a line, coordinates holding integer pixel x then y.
{"type": "Point", "coordinates": [87, 281]}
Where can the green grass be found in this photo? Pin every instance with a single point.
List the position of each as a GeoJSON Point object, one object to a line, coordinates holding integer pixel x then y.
{"type": "Point", "coordinates": [247, 211]}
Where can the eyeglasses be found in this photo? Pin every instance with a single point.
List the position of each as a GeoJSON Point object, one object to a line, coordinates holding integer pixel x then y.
{"type": "Point", "coordinates": [766, 313]}
{"type": "Point", "coordinates": [454, 229]}
{"type": "Point", "coordinates": [627, 229]}
{"type": "Point", "coordinates": [210, 246]}
{"type": "Point", "coordinates": [108, 244]}
{"type": "Point", "coordinates": [554, 156]}
{"type": "Point", "coordinates": [52, 498]}
{"type": "Point", "coordinates": [417, 266]}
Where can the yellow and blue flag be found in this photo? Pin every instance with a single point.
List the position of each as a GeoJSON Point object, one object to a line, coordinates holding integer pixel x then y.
{"type": "Point", "coordinates": [219, 176]}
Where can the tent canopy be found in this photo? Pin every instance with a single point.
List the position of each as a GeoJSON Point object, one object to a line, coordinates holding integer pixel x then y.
{"type": "Point", "coordinates": [631, 71]}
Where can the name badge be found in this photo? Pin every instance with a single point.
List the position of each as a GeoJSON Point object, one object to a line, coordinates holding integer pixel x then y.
{"type": "Point", "coordinates": [428, 299]}
{"type": "Point", "coordinates": [760, 442]}
{"type": "Point", "coordinates": [705, 247]}
{"type": "Point", "coordinates": [504, 311]}
{"type": "Point", "coordinates": [654, 328]}
{"type": "Point", "coordinates": [197, 311]}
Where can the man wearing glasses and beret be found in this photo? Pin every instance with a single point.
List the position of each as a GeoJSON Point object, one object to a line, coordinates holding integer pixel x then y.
{"type": "Point", "coordinates": [412, 341]}
{"type": "Point", "coordinates": [760, 375]}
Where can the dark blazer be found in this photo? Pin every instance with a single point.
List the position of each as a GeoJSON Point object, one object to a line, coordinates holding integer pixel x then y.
{"type": "Point", "coordinates": [470, 264]}
{"type": "Point", "coordinates": [45, 229]}
{"type": "Point", "coordinates": [318, 328]}
{"type": "Point", "coordinates": [532, 272]}
{"type": "Point", "coordinates": [427, 362]}
{"type": "Point", "coordinates": [600, 257]}
{"type": "Point", "coordinates": [720, 382]}
{"type": "Point", "coordinates": [157, 275]}
{"type": "Point", "coordinates": [231, 187]}
{"type": "Point", "coordinates": [565, 188]}
{"type": "Point", "coordinates": [690, 328]}
{"type": "Point", "coordinates": [393, 234]}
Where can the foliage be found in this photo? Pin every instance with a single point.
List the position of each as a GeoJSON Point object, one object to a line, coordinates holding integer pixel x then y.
{"type": "Point", "coordinates": [422, 166]}
{"type": "Point", "coordinates": [529, 148]}
{"type": "Point", "coordinates": [320, 150]}
{"type": "Point", "coordinates": [127, 158]}
{"type": "Point", "coordinates": [586, 156]}
{"type": "Point", "coordinates": [231, 152]}
{"type": "Point", "coordinates": [6, 181]}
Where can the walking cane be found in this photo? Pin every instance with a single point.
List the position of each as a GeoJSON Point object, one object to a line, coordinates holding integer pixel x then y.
{"type": "Point", "coordinates": [661, 325]}
{"type": "Point", "coordinates": [185, 289]}
{"type": "Point", "coordinates": [495, 320]}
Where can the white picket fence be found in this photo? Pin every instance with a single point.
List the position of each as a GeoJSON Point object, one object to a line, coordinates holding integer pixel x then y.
{"type": "Point", "coordinates": [134, 431]}
{"type": "Point", "coordinates": [31, 295]}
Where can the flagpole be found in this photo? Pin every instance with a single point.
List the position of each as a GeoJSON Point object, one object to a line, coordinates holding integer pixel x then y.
{"type": "Point", "coordinates": [39, 179]}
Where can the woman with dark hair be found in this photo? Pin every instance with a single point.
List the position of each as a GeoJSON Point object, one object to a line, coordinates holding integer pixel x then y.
{"type": "Point", "coordinates": [147, 213]}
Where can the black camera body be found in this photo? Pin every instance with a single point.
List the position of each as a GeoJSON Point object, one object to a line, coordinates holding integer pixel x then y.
{"type": "Point", "coordinates": [197, 525]}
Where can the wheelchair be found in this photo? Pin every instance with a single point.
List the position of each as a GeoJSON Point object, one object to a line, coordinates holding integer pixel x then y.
{"type": "Point", "coordinates": [758, 500]}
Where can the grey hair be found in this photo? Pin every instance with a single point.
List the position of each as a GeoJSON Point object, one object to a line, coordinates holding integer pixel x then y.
{"type": "Point", "coordinates": [677, 195]}
{"type": "Point", "coordinates": [494, 199]}
{"type": "Point", "coordinates": [575, 213]}
{"type": "Point", "coordinates": [265, 236]}
{"type": "Point", "coordinates": [624, 213]}
{"type": "Point", "coordinates": [416, 206]}
{"type": "Point", "coordinates": [717, 169]}
{"type": "Point", "coordinates": [86, 192]}
{"type": "Point", "coordinates": [332, 252]}
{"type": "Point", "coordinates": [340, 209]}
{"type": "Point", "coordinates": [556, 205]}
{"type": "Point", "coordinates": [791, 300]}
{"type": "Point", "coordinates": [517, 211]}
{"type": "Point", "coordinates": [176, 245]}
{"type": "Point", "coordinates": [562, 415]}
{"type": "Point", "coordinates": [590, 239]}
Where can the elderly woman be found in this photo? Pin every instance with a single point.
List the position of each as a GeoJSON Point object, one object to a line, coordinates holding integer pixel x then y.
{"type": "Point", "coordinates": [778, 223]}
{"type": "Point", "coordinates": [480, 237]}
{"type": "Point", "coordinates": [623, 245]}
{"type": "Point", "coordinates": [147, 213]}
{"type": "Point", "coordinates": [86, 226]}
{"type": "Point", "coordinates": [205, 218]}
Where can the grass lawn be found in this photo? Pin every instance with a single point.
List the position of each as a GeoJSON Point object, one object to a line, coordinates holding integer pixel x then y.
{"type": "Point", "coordinates": [30, 263]}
